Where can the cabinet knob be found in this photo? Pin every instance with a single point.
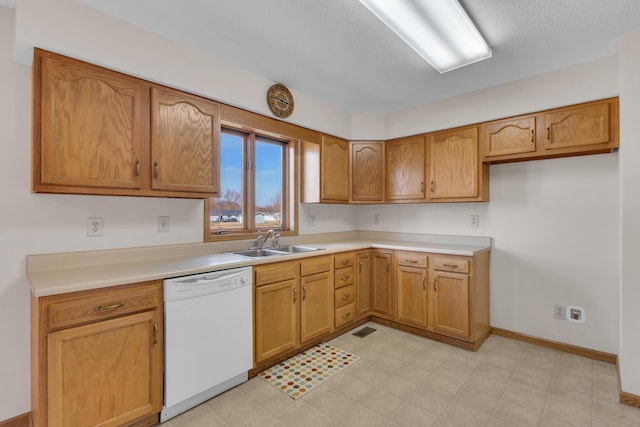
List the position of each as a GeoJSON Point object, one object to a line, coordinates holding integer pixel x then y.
{"type": "Point", "coordinates": [345, 297]}
{"type": "Point", "coordinates": [346, 315]}
{"type": "Point", "coordinates": [344, 262]}
{"type": "Point", "coordinates": [345, 278]}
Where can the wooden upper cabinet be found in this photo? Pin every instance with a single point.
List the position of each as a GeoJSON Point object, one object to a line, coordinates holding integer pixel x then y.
{"type": "Point", "coordinates": [455, 165]}
{"type": "Point", "coordinates": [589, 128]}
{"type": "Point", "coordinates": [406, 168]}
{"type": "Point", "coordinates": [88, 126]}
{"type": "Point", "coordinates": [508, 137]}
{"type": "Point", "coordinates": [367, 171]}
{"type": "Point", "coordinates": [185, 142]}
{"type": "Point", "coordinates": [334, 169]}
{"type": "Point", "coordinates": [575, 126]}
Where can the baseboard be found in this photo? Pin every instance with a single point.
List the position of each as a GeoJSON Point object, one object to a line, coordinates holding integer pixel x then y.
{"type": "Point", "coordinates": [630, 399]}
{"type": "Point", "coordinates": [23, 420]}
{"type": "Point", "coordinates": [567, 348]}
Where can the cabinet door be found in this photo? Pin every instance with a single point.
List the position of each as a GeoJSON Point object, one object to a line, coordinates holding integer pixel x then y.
{"type": "Point", "coordinates": [316, 306]}
{"type": "Point", "coordinates": [412, 296]}
{"type": "Point", "coordinates": [406, 168]}
{"type": "Point", "coordinates": [363, 285]}
{"type": "Point", "coordinates": [454, 164]}
{"type": "Point", "coordinates": [585, 125]}
{"type": "Point", "coordinates": [106, 373]}
{"type": "Point", "coordinates": [367, 170]}
{"type": "Point", "coordinates": [506, 137]}
{"type": "Point", "coordinates": [381, 284]}
{"type": "Point", "coordinates": [334, 169]}
{"type": "Point", "coordinates": [185, 142]}
{"type": "Point", "coordinates": [88, 126]}
{"type": "Point", "coordinates": [276, 319]}
{"type": "Point", "coordinates": [451, 304]}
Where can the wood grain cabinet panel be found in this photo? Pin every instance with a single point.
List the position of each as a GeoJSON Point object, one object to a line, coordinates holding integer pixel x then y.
{"type": "Point", "coordinates": [577, 126]}
{"type": "Point", "coordinates": [367, 171]}
{"type": "Point", "coordinates": [381, 285]}
{"type": "Point", "coordinates": [316, 306]}
{"type": "Point", "coordinates": [363, 285]}
{"type": "Point", "coordinates": [405, 161]}
{"type": "Point", "coordinates": [185, 138]}
{"type": "Point", "coordinates": [276, 321]}
{"type": "Point", "coordinates": [412, 296]}
{"type": "Point", "coordinates": [88, 126]}
{"type": "Point", "coordinates": [97, 364]}
{"type": "Point", "coordinates": [334, 169]}
{"type": "Point", "coordinates": [451, 311]}
{"type": "Point", "coordinates": [454, 164]}
{"type": "Point", "coordinates": [509, 137]}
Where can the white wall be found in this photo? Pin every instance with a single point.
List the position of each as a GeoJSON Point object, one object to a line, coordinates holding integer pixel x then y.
{"type": "Point", "coordinates": [629, 355]}
{"type": "Point", "coordinates": [554, 222]}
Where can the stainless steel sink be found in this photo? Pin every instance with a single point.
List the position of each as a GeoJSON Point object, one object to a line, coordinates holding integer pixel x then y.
{"type": "Point", "coordinates": [292, 249]}
{"type": "Point", "coordinates": [275, 251]}
{"type": "Point", "coordinates": [256, 253]}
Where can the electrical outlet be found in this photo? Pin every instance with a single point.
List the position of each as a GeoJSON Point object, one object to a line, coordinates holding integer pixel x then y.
{"type": "Point", "coordinates": [575, 314]}
{"type": "Point", "coordinates": [163, 224]}
{"type": "Point", "coordinates": [560, 311]}
{"type": "Point", "coordinates": [311, 219]}
{"type": "Point", "coordinates": [475, 221]}
{"type": "Point", "coordinates": [376, 219]}
{"type": "Point", "coordinates": [94, 226]}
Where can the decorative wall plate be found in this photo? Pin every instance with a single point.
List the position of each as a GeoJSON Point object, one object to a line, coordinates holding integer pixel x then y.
{"type": "Point", "coordinates": [280, 100]}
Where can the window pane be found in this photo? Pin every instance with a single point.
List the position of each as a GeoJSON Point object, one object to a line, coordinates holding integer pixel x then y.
{"type": "Point", "coordinates": [227, 211]}
{"type": "Point", "coordinates": [268, 194]}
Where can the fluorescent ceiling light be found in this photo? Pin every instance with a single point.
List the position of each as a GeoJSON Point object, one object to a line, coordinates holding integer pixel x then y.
{"type": "Point", "coordinates": [439, 30]}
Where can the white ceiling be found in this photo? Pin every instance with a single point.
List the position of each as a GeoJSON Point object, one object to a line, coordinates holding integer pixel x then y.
{"type": "Point", "coordinates": [338, 52]}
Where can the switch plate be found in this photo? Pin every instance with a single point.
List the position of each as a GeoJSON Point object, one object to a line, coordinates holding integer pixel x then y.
{"type": "Point", "coordinates": [163, 224]}
{"type": "Point", "coordinates": [475, 221]}
{"type": "Point", "coordinates": [560, 311]}
{"type": "Point", "coordinates": [94, 226]}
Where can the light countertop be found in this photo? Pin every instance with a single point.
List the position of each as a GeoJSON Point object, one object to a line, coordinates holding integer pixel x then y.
{"type": "Point", "coordinates": [52, 274]}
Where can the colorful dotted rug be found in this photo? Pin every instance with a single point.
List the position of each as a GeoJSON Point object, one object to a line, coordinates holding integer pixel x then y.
{"type": "Point", "coordinates": [301, 373]}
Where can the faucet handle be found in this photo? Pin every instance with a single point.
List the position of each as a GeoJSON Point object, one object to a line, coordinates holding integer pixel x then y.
{"type": "Point", "coordinates": [260, 239]}
{"type": "Point", "coordinates": [276, 239]}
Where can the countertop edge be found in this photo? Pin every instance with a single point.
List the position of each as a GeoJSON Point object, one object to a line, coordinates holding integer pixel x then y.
{"type": "Point", "coordinates": [81, 278]}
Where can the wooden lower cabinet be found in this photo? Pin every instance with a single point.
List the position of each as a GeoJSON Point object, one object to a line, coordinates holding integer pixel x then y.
{"type": "Point", "coordinates": [412, 296]}
{"type": "Point", "coordinates": [381, 291]}
{"type": "Point", "coordinates": [316, 306]}
{"type": "Point", "coordinates": [292, 309]}
{"type": "Point", "coordinates": [97, 356]}
{"type": "Point", "coordinates": [451, 309]}
{"type": "Point", "coordinates": [363, 285]}
{"type": "Point", "coordinates": [276, 318]}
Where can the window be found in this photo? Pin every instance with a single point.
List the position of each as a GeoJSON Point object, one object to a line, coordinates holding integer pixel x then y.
{"type": "Point", "coordinates": [256, 185]}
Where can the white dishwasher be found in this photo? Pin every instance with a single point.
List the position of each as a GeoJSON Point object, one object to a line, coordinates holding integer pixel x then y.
{"type": "Point", "coordinates": [208, 337]}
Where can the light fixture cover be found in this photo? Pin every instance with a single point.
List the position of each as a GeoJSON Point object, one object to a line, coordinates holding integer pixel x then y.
{"type": "Point", "coordinates": [439, 30]}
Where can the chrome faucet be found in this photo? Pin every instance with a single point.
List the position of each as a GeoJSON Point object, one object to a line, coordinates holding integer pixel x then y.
{"type": "Point", "coordinates": [263, 239]}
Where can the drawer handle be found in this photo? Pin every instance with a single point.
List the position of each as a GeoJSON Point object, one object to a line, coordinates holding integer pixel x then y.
{"type": "Point", "coordinates": [295, 295]}
{"type": "Point", "coordinates": [137, 169]}
{"type": "Point", "coordinates": [345, 277]}
{"type": "Point", "coordinates": [155, 334]}
{"type": "Point", "coordinates": [345, 297]}
{"type": "Point", "coordinates": [109, 307]}
{"type": "Point", "coordinates": [346, 315]}
{"type": "Point", "coordinates": [155, 171]}
{"type": "Point", "coordinates": [435, 285]}
{"type": "Point", "coordinates": [451, 265]}
{"type": "Point", "coordinates": [411, 261]}
{"type": "Point", "coordinates": [344, 262]}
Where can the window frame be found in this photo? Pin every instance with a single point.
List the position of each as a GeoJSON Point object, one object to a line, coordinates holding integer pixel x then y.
{"type": "Point", "coordinates": [289, 191]}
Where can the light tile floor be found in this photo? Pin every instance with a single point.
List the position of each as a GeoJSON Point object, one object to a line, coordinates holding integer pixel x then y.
{"type": "Point", "coordinates": [406, 380]}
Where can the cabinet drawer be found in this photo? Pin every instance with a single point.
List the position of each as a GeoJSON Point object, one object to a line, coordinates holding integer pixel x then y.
{"type": "Point", "coordinates": [103, 305]}
{"type": "Point", "coordinates": [273, 273]}
{"type": "Point", "coordinates": [315, 265]}
{"type": "Point", "coordinates": [345, 314]}
{"type": "Point", "coordinates": [345, 295]}
{"type": "Point", "coordinates": [344, 277]}
{"type": "Point", "coordinates": [344, 260]}
{"type": "Point", "coordinates": [451, 264]}
{"type": "Point", "coordinates": [412, 259]}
